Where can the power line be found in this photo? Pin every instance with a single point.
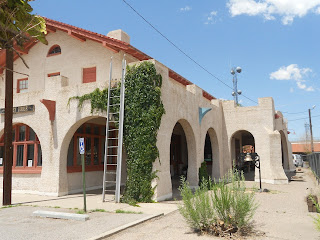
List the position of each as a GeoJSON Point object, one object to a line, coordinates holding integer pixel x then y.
{"type": "Point", "coordinates": [303, 118]}
{"type": "Point", "coordinates": [183, 52]}
{"type": "Point", "coordinates": [295, 112]}
{"type": "Point", "coordinates": [14, 71]}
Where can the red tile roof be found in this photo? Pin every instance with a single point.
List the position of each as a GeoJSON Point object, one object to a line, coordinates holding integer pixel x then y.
{"type": "Point", "coordinates": [110, 43]}
{"type": "Point", "coordinates": [303, 147]}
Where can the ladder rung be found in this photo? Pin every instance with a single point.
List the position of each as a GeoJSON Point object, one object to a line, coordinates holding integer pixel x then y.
{"type": "Point", "coordinates": [117, 104]}
{"type": "Point", "coordinates": [112, 138]}
{"type": "Point", "coordinates": [107, 181]}
{"type": "Point", "coordinates": [111, 173]}
{"type": "Point", "coordinates": [113, 121]}
{"type": "Point", "coordinates": [111, 164]}
{"type": "Point", "coordinates": [112, 130]}
{"type": "Point", "coordinates": [112, 155]}
{"type": "Point", "coordinates": [114, 88]}
{"type": "Point", "coordinates": [110, 190]}
{"type": "Point", "coordinates": [112, 146]}
{"type": "Point", "coordinates": [115, 97]}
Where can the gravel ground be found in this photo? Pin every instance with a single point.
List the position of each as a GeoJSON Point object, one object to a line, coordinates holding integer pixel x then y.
{"type": "Point", "coordinates": [18, 224]}
{"type": "Point", "coordinates": [282, 215]}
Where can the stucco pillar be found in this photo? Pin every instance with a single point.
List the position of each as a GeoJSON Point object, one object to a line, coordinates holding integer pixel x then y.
{"type": "Point", "coordinates": [51, 161]}
{"type": "Point", "coordinates": [269, 150]}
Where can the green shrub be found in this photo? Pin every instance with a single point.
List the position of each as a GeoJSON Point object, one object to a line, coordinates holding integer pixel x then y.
{"type": "Point", "coordinates": [316, 220]}
{"type": "Point", "coordinates": [128, 212]}
{"type": "Point", "coordinates": [234, 204]}
{"type": "Point", "coordinates": [203, 173]}
{"type": "Point", "coordinates": [216, 208]}
{"type": "Point", "coordinates": [197, 208]}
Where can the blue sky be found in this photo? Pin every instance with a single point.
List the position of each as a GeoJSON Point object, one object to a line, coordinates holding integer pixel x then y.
{"type": "Point", "coordinates": [275, 42]}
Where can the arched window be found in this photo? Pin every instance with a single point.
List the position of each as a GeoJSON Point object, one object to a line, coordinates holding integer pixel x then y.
{"type": "Point", "coordinates": [27, 154]}
{"type": "Point", "coordinates": [94, 139]}
{"type": "Point", "coordinates": [54, 50]}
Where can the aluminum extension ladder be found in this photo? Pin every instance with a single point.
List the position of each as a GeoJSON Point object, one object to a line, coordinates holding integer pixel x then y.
{"type": "Point", "coordinates": [112, 161]}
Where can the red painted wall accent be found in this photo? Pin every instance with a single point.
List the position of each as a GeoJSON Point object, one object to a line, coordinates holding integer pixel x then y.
{"type": "Point", "coordinates": [89, 74]}
{"type": "Point", "coordinates": [178, 78]}
{"type": "Point", "coordinates": [53, 74]}
{"type": "Point", "coordinates": [207, 95]}
{"type": "Point", "coordinates": [51, 106]}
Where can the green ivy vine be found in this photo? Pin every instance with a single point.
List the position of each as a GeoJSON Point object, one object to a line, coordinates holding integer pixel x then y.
{"type": "Point", "coordinates": [98, 98]}
{"type": "Point", "coordinates": [143, 113]}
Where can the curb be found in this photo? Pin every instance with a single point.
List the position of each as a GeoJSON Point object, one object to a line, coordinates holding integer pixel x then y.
{"type": "Point", "coordinates": [60, 215]}
{"type": "Point", "coordinates": [125, 226]}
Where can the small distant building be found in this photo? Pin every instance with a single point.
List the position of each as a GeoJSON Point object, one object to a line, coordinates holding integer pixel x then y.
{"type": "Point", "coordinates": [46, 157]}
{"type": "Point", "coordinates": [303, 147]}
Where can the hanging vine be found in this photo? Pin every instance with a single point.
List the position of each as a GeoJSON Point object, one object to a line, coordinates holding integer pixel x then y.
{"type": "Point", "coordinates": [143, 113]}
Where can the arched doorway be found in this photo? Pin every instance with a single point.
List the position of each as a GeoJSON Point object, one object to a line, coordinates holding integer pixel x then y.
{"type": "Point", "coordinates": [208, 154]}
{"type": "Point", "coordinates": [178, 153]}
{"type": "Point", "coordinates": [242, 142]}
{"type": "Point", "coordinates": [182, 156]}
{"type": "Point", "coordinates": [211, 154]}
{"type": "Point", "coordinates": [94, 133]}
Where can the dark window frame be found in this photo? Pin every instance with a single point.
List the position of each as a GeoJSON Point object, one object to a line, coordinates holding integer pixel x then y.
{"type": "Point", "coordinates": [54, 50]}
{"type": "Point", "coordinates": [25, 85]}
{"type": "Point", "coordinates": [25, 142]}
{"type": "Point", "coordinates": [82, 132]}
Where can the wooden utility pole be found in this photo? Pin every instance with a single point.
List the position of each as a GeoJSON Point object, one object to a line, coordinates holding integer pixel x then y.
{"type": "Point", "coordinates": [8, 151]}
{"type": "Point", "coordinates": [312, 149]}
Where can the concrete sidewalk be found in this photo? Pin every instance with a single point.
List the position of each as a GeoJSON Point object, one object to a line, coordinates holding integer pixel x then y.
{"type": "Point", "coordinates": [94, 201]}
{"type": "Point", "coordinates": [282, 214]}
{"type": "Point", "coordinates": [17, 223]}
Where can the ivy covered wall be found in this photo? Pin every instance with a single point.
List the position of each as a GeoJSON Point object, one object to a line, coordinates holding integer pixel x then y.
{"type": "Point", "coordinates": [143, 113]}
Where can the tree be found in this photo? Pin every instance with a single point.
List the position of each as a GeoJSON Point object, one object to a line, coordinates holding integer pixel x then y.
{"type": "Point", "coordinates": [17, 26]}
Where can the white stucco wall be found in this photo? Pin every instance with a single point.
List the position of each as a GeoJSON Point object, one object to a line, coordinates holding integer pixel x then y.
{"type": "Point", "coordinates": [55, 136]}
{"type": "Point", "coordinates": [181, 105]}
{"type": "Point", "coordinates": [261, 123]}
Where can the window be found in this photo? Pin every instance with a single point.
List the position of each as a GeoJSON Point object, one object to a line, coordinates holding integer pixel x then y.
{"type": "Point", "coordinates": [89, 74]}
{"type": "Point", "coordinates": [22, 85]}
{"type": "Point", "coordinates": [54, 50]}
{"type": "Point", "coordinates": [27, 154]}
{"type": "Point", "coordinates": [94, 140]}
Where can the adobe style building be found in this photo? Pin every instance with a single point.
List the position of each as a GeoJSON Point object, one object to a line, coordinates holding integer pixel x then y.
{"type": "Point", "coordinates": [76, 62]}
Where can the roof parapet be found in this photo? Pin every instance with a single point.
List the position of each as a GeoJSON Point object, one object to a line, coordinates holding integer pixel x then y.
{"type": "Point", "coordinates": [120, 35]}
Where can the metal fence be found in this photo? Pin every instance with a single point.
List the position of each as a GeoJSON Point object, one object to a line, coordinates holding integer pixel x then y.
{"type": "Point", "coordinates": [314, 163]}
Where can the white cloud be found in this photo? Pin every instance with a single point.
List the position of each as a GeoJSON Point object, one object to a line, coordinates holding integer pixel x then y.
{"type": "Point", "coordinates": [286, 9]}
{"type": "Point", "coordinates": [293, 72]}
{"type": "Point", "coordinates": [185, 9]}
{"type": "Point", "coordinates": [304, 87]}
{"type": "Point", "coordinates": [291, 90]}
{"type": "Point", "coordinates": [211, 18]}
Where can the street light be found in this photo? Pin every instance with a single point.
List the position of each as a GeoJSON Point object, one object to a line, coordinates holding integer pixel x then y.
{"type": "Point", "coordinates": [312, 149]}
{"type": "Point", "coordinates": [235, 92]}
{"type": "Point", "coordinates": [248, 158]}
